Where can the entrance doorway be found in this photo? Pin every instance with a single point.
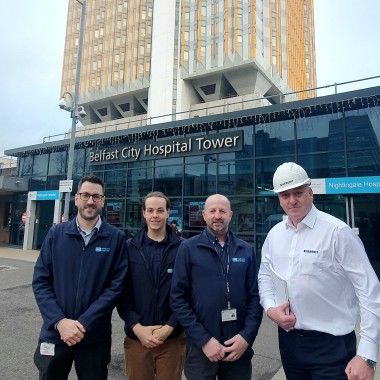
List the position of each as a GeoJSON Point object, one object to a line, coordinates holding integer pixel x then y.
{"type": "Point", "coordinates": [43, 222]}
{"type": "Point", "coordinates": [366, 217]}
{"type": "Point", "coordinates": [361, 211]}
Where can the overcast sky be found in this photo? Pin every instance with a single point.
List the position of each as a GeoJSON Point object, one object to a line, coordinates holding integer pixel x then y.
{"type": "Point", "coordinates": [32, 43]}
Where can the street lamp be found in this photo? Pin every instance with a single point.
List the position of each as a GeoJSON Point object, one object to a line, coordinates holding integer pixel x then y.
{"type": "Point", "coordinates": [75, 111]}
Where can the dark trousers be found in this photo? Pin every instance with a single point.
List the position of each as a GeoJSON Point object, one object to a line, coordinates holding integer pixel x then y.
{"type": "Point", "coordinates": [312, 355]}
{"type": "Point", "coordinates": [90, 361]}
{"type": "Point", "coordinates": [198, 367]}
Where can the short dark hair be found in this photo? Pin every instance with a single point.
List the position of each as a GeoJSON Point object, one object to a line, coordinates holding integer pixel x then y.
{"type": "Point", "coordinates": [91, 178]}
{"type": "Point", "coordinates": [157, 194]}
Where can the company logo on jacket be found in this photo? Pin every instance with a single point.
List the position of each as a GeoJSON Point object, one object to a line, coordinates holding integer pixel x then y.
{"type": "Point", "coordinates": [102, 249]}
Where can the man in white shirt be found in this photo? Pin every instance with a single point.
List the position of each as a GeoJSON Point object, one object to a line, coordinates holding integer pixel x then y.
{"type": "Point", "coordinates": [328, 279]}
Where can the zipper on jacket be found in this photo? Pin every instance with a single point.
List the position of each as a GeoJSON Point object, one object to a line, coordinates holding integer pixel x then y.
{"type": "Point", "coordinates": [79, 277]}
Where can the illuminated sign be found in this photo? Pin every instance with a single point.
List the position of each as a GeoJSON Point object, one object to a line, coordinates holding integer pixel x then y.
{"type": "Point", "coordinates": [346, 185]}
{"type": "Point", "coordinates": [189, 146]}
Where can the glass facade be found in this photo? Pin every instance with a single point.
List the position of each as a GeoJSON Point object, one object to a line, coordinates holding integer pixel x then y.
{"type": "Point", "coordinates": [339, 138]}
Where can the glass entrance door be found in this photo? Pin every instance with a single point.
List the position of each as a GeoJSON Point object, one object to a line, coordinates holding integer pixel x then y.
{"type": "Point", "coordinates": [44, 220]}
{"type": "Point", "coordinates": [366, 211]}
{"type": "Point", "coordinates": [361, 212]}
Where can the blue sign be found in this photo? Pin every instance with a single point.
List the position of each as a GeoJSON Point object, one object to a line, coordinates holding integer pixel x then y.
{"type": "Point", "coordinates": [48, 195]}
{"type": "Point", "coordinates": [353, 185]}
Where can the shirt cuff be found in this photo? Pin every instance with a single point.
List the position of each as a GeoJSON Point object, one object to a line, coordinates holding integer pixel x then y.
{"type": "Point", "coordinates": [368, 350]}
{"type": "Point", "coordinates": [268, 303]}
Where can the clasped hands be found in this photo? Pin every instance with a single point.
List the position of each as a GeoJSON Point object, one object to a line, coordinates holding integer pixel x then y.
{"type": "Point", "coordinates": [71, 331]}
{"type": "Point", "coordinates": [152, 336]}
{"type": "Point", "coordinates": [230, 351]}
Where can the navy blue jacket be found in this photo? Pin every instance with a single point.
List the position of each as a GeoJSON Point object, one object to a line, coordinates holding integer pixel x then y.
{"type": "Point", "coordinates": [79, 282]}
{"type": "Point", "coordinates": [198, 293]}
{"type": "Point", "coordinates": [147, 301]}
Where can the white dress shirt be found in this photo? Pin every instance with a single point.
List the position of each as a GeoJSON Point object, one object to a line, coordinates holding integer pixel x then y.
{"type": "Point", "coordinates": [328, 275]}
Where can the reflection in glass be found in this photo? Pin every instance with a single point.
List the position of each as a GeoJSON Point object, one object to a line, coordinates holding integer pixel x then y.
{"type": "Point", "coordinates": [168, 179]}
{"type": "Point", "coordinates": [26, 166]}
{"type": "Point", "coordinates": [133, 216]}
{"type": "Point", "coordinates": [363, 163]}
{"type": "Point", "coordinates": [321, 133]}
{"type": "Point", "coordinates": [363, 129]}
{"type": "Point", "coordinates": [79, 162]}
{"type": "Point", "coordinates": [200, 179]}
{"type": "Point", "coordinates": [325, 165]}
{"type": "Point", "coordinates": [139, 181]}
{"type": "Point", "coordinates": [57, 163]}
{"type": "Point", "coordinates": [115, 181]}
{"type": "Point", "coordinates": [53, 182]}
{"type": "Point", "coordinates": [168, 162]}
{"type": "Point", "coordinates": [268, 214]}
{"type": "Point", "coordinates": [274, 138]}
{"type": "Point", "coordinates": [40, 165]}
{"type": "Point", "coordinates": [38, 184]}
{"type": "Point", "coordinates": [235, 177]}
{"type": "Point", "coordinates": [248, 143]}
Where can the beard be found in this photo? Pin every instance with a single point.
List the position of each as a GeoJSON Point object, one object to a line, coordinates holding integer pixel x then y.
{"type": "Point", "coordinates": [220, 228]}
{"type": "Point", "coordinates": [89, 213]}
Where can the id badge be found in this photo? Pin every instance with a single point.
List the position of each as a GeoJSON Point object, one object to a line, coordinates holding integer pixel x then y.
{"type": "Point", "coordinates": [229, 315]}
{"type": "Point", "coordinates": [47, 349]}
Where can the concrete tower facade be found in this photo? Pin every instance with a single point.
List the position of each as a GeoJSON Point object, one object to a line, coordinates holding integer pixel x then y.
{"type": "Point", "coordinates": [146, 61]}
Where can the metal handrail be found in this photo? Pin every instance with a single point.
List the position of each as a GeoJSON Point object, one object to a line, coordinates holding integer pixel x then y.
{"type": "Point", "coordinates": [148, 120]}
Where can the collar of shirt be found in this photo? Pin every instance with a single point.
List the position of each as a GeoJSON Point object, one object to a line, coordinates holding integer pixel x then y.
{"type": "Point", "coordinates": [309, 220]}
{"type": "Point", "coordinates": [213, 239]}
{"type": "Point", "coordinates": [148, 241]}
{"type": "Point", "coordinates": [87, 235]}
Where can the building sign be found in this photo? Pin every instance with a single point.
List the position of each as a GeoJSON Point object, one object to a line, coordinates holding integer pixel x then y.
{"type": "Point", "coordinates": [346, 185]}
{"type": "Point", "coordinates": [48, 195]}
{"type": "Point", "coordinates": [187, 146]}
{"type": "Point", "coordinates": [66, 186]}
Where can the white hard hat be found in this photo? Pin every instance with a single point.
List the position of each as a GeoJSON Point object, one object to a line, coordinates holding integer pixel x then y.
{"type": "Point", "coordinates": [288, 176]}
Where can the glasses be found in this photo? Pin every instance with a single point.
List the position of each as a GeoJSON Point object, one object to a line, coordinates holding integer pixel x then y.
{"type": "Point", "coordinates": [95, 197]}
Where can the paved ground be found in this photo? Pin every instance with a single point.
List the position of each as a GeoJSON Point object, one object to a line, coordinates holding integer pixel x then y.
{"type": "Point", "coordinates": [21, 322]}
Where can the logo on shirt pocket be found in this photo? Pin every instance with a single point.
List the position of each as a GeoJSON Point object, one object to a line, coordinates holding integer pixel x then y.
{"type": "Point", "coordinates": [312, 262]}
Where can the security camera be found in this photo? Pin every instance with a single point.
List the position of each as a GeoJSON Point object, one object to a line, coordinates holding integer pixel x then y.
{"type": "Point", "coordinates": [81, 111]}
{"type": "Point", "coordinates": [62, 104]}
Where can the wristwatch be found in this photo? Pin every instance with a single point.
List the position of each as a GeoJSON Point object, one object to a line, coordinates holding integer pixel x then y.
{"type": "Point", "coordinates": [370, 363]}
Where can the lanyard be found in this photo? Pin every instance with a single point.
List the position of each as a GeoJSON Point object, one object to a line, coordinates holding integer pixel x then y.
{"type": "Point", "coordinates": [224, 257]}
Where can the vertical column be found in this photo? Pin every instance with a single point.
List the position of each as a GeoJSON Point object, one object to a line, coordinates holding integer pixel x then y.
{"type": "Point", "coordinates": [30, 219]}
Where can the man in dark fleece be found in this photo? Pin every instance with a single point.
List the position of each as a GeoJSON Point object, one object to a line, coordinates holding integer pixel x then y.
{"type": "Point", "coordinates": [78, 278]}
{"type": "Point", "coordinates": [214, 296]}
{"type": "Point", "coordinates": [154, 345]}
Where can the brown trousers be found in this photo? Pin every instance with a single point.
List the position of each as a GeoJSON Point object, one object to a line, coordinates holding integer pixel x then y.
{"type": "Point", "coordinates": [164, 362]}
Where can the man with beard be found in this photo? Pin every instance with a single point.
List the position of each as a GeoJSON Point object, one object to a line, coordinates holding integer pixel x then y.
{"type": "Point", "coordinates": [78, 278]}
{"type": "Point", "coordinates": [214, 296]}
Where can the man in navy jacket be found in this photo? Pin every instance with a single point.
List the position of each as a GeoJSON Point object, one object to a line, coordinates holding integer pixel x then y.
{"type": "Point", "coordinates": [78, 278]}
{"type": "Point", "coordinates": [215, 298]}
{"type": "Point", "coordinates": [154, 346]}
